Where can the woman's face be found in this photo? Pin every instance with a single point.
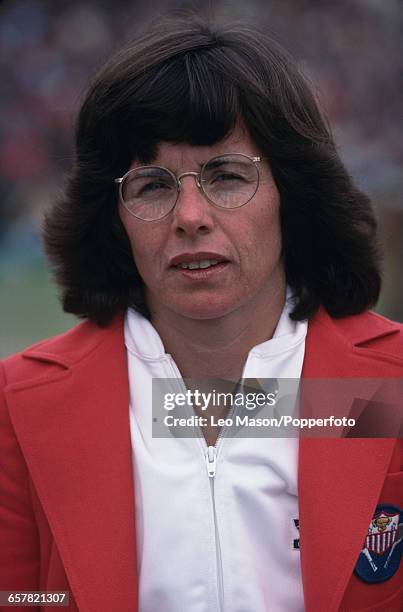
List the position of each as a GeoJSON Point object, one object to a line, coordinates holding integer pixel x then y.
{"type": "Point", "coordinates": [246, 241]}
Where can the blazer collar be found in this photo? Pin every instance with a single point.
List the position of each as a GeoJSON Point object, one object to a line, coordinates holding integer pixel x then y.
{"type": "Point", "coordinates": [352, 332]}
{"type": "Point", "coordinates": [75, 436]}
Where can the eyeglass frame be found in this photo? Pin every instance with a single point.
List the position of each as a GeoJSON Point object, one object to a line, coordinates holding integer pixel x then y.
{"type": "Point", "coordinates": [255, 159]}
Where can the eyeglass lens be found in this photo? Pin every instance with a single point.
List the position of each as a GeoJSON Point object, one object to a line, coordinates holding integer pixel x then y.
{"type": "Point", "coordinates": [228, 181]}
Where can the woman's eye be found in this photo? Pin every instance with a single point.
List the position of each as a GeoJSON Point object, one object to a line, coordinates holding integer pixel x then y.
{"type": "Point", "coordinates": [226, 177]}
{"type": "Point", "coordinates": [152, 188]}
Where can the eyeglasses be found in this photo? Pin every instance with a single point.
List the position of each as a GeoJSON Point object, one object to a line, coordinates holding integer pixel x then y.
{"type": "Point", "coordinates": [227, 181]}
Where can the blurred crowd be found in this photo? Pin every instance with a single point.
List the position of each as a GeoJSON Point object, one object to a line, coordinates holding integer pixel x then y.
{"type": "Point", "coordinates": [351, 50]}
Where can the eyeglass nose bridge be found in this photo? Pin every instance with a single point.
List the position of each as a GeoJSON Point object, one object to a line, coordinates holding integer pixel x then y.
{"type": "Point", "coordinates": [195, 174]}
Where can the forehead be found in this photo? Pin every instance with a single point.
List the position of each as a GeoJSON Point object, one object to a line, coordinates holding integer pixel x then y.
{"type": "Point", "coordinates": [178, 155]}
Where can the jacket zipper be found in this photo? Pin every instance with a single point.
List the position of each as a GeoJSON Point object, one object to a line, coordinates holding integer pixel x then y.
{"type": "Point", "coordinates": [211, 462]}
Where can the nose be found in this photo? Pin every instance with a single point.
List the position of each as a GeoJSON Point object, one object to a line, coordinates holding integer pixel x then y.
{"type": "Point", "coordinates": [193, 214]}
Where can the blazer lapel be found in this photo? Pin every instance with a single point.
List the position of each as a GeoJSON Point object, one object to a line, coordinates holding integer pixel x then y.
{"type": "Point", "coordinates": [73, 428]}
{"type": "Point", "coordinates": [339, 479]}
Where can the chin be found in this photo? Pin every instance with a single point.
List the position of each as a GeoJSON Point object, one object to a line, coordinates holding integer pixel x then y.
{"type": "Point", "coordinates": [204, 309]}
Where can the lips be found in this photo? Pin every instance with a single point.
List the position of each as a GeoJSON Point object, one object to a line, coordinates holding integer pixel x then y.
{"type": "Point", "coordinates": [197, 261]}
{"type": "Point", "coordinates": [198, 265]}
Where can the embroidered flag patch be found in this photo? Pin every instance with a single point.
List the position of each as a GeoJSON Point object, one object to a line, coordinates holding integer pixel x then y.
{"type": "Point", "coordinates": [382, 551]}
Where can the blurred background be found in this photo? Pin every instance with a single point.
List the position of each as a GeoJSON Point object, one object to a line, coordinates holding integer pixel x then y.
{"type": "Point", "coordinates": [352, 50]}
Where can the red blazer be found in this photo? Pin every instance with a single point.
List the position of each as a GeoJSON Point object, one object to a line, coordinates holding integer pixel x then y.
{"type": "Point", "coordinates": [66, 484]}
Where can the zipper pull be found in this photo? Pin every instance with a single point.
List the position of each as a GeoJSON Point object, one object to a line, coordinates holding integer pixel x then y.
{"type": "Point", "coordinates": [211, 461]}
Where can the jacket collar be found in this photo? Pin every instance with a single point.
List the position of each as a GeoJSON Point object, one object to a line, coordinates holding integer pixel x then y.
{"type": "Point", "coordinates": [348, 333]}
{"type": "Point", "coordinates": [76, 441]}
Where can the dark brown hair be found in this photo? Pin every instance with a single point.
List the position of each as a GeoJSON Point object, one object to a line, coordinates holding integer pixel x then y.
{"type": "Point", "coordinates": [190, 80]}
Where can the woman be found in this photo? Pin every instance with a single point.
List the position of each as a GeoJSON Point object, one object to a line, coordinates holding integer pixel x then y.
{"type": "Point", "coordinates": [208, 230]}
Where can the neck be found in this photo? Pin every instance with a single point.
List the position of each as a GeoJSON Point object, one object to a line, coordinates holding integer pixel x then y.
{"type": "Point", "coordinates": [218, 348]}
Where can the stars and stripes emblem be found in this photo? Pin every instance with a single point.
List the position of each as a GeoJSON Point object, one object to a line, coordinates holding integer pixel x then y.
{"type": "Point", "coordinates": [382, 549]}
{"type": "Point", "coordinates": [382, 532]}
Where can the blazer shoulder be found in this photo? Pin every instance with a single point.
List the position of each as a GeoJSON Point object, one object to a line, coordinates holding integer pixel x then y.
{"type": "Point", "coordinates": [61, 351]}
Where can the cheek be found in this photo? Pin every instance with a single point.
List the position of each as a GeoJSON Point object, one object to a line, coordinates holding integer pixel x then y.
{"type": "Point", "coordinates": [145, 253]}
{"type": "Point", "coordinates": [264, 235]}
{"type": "Point", "coordinates": [271, 218]}
{"type": "Point", "coordinates": [148, 249]}
{"type": "Point", "coordinates": [143, 241]}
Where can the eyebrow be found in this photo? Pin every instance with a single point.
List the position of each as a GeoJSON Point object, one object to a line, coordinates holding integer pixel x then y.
{"type": "Point", "coordinates": [154, 162]}
{"type": "Point", "coordinates": [218, 162]}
